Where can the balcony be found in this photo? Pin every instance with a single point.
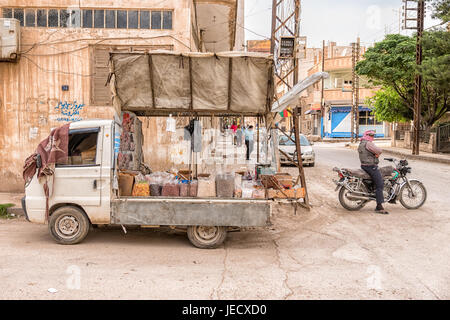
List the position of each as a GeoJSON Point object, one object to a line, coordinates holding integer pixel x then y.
{"type": "Point", "coordinates": [337, 94]}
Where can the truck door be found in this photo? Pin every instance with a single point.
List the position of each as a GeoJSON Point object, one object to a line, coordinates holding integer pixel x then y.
{"type": "Point", "coordinates": [79, 181]}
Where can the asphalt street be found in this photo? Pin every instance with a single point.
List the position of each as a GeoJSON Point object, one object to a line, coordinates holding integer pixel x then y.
{"type": "Point", "coordinates": [324, 253]}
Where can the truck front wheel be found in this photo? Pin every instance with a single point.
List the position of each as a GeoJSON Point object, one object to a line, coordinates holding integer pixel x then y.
{"type": "Point", "coordinates": [68, 225]}
{"type": "Point", "coordinates": [205, 237]}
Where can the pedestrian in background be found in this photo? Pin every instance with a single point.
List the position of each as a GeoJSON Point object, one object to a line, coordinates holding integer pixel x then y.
{"type": "Point", "coordinates": [249, 140]}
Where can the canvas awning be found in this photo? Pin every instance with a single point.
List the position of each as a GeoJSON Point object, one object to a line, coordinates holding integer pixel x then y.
{"type": "Point", "coordinates": [164, 82]}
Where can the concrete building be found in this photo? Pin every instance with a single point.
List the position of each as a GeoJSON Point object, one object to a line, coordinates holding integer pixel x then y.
{"type": "Point", "coordinates": [62, 68]}
{"type": "Point", "coordinates": [337, 96]}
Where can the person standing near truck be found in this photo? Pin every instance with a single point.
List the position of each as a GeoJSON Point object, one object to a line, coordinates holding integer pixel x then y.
{"type": "Point", "coordinates": [248, 133]}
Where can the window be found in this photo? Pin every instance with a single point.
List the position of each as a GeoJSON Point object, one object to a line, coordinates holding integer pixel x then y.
{"type": "Point", "coordinates": [99, 18]}
{"type": "Point", "coordinates": [64, 17]}
{"type": "Point", "coordinates": [41, 18]}
{"type": "Point", "coordinates": [82, 149]}
{"type": "Point", "coordinates": [87, 18]}
{"type": "Point", "coordinates": [75, 18]}
{"type": "Point", "coordinates": [30, 17]}
{"type": "Point", "coordinates": [90, 18]}
{"type": "Point", "coordinates": [145, 19]}
{"type": "Point", "coordinates": [366, 118]}
{"type": "Point", "coordinates": [132, 19]}
{"type": "Point", "coordinates": [53, 18]}
{"type": "Point", "coordinates": [7, 13]}
{"type": "Point", "coordinates": [18, 14]}
{"type": "Point", "coordinates": [167, 20]}
{"type": "Point", "coordinates": [110, 18]}
{"type": "Point", "coordinates": [121, 19]}
{"type": "Point", "coordinates": [156, 19]}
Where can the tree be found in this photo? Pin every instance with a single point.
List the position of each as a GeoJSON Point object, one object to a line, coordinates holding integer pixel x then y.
{"type": "Point", "coordinates": [441, 10]}
{"type": "Point", "coordinates": [391, 64]}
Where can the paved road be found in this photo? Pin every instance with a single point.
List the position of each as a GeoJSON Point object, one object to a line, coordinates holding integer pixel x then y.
{"type": "Point", "coordinates": [326, 253]}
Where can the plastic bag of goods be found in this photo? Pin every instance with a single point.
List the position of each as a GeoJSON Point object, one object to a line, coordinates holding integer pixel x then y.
{"type": "Point", "coordinates": [238, 185]}
{"type": "Point", "coordinates": [193, 188]}
{"type": "Point", "coordinates": [170, 189]}
{"type": "Point", "coordinates": [184, 188]}
{"type": "Point", "coordinates": [155, 189]}
{"type": "Point", "coordinates": [206, 186]}
{"type": "Point", "coordinates": [259, 193]}
{"type": "Point", "coordinates": [225, 185]}
{"type": "Point", "coordinates": [141, 189]}
{"type": "Point", "coordinates": [247, 188]}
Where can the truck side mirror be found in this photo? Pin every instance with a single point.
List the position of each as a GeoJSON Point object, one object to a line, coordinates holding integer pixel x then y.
{"type": "Point", "coordinates": [38, 161]}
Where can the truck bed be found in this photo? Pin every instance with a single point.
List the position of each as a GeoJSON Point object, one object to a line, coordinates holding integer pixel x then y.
{"type": "Point", "coordinates": [191, 211]}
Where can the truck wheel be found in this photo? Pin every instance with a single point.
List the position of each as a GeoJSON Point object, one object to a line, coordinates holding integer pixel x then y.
{"type": "Point", "coordinates": [204, 237]}
{"type": "Point", "coordinates": [68, 225]}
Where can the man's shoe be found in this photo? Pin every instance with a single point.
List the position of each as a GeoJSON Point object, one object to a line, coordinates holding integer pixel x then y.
{"type": "Point", "coordinates": [381, 211]}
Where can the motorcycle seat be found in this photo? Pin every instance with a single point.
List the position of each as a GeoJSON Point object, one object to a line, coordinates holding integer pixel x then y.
{"type": "Point", "coordinates": [360, 173]}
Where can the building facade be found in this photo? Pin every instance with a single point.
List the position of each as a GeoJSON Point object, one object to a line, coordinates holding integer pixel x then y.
{"type": "Point", "coordinates": [337, 97]}
{"type": "Point", "coordinates": [62, 69]}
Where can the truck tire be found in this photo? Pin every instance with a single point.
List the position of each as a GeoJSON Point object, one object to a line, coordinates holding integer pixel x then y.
{"type": "Point", "coordinates": [204, 237]}
{"type": "Point", "coordinates": [68, 225]}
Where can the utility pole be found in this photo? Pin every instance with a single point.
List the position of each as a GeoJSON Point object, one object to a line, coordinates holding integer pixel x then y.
{"type": "Point", "coordinates": [352, 113]}
{"type": "Point", "coordinates": [322, 100]}
{"type": "Point", "coordinates": [419, 19]}
{"type": "Point", "coordinates": [284, 46]}
{"type": "Point", "coordinates": [356, 81]}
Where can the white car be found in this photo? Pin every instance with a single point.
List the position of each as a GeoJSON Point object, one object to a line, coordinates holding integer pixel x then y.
{"type": "Point", "coordinates": [288, 146]}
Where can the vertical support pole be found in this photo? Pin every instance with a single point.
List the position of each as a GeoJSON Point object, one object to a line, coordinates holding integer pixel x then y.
{"type": "Point", "coordinates": [352, 115]}
{"type": "Point", "coordinates": [299, 156]}
{"type": "Point", "coordinates": [322, 100]}
{"type": "Point", "coordinates": [357, 90]}
{"type": "Point", "coordinates": [257, 139]}
{"type": "Point", "coordinates": [418, 77]}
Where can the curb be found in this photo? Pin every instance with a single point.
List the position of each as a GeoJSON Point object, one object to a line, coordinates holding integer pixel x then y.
{"type": "Point", "coordinates": [416, 157]}
{"type": "Point", "coordinates": [409, 156]}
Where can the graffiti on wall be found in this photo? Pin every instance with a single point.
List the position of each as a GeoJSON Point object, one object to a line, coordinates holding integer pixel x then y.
{"type": "Point", "coordinates": [69, 111]}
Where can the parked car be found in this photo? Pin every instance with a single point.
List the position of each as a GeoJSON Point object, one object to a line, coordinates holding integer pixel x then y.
{"type": "Point", "coordinates": [288, 146]}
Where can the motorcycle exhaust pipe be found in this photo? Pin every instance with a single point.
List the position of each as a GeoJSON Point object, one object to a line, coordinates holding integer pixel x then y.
{"type": "Point", "coordinates": [355, 197]}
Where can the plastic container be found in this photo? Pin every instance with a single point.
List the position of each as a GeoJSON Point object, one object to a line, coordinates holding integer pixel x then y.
{"type": "Point", "coordinates": [141, 189]}
{"type": "Point", "coordinates": [206, 186]}
{"type": "Point", "coordinates": [225, 185]}
{"type": "Point", "coordinates": [193, 188]}
{"type": "Point", "coordinates": [184, 189]}
{"type": "Point", "coordinates": [155, 189]}
{"type": "Point", "coordinates": [170, 190]}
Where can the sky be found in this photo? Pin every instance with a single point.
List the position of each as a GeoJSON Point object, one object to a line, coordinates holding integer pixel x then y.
{"type": "Point", "coordinates": [341, 21]}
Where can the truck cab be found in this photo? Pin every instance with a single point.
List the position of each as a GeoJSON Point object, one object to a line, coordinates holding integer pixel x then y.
{"type": "Point", "coordinates": [84, 182]}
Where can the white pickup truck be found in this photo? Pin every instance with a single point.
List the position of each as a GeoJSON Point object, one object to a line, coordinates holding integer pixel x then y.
{"type": "Point", "coordinates": [85, 193]}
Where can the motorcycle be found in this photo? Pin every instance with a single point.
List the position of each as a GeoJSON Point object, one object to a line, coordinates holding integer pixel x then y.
{"type": "Point", "coordinates": [356, 187]}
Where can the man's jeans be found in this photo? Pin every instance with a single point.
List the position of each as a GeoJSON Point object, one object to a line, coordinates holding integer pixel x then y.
{"type": "Point", "coordinates": [377, 179]}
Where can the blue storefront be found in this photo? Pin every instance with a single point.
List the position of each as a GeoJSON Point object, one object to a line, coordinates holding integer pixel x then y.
{"type": "Point", "coordinates": [337, 122]}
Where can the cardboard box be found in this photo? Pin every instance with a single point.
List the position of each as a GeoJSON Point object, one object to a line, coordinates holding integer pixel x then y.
{"type": "Point", "coordinates": [285, 180]}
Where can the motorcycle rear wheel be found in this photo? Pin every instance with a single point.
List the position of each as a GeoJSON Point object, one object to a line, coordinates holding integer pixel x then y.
{"type": "Point", "coordinates": [348, 204]}
{"type": "Point", "coordinates": [408, 200]}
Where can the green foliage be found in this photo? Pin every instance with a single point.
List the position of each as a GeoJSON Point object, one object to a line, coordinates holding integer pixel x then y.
{"type": "Point", "coordinates": [391, 64]}
{"type": "Point", "coordinates": [388, 106]}
{"type": "Point", "coordinates": [3, 210]}
{"type": "Point", "coordinates": [441, 10]}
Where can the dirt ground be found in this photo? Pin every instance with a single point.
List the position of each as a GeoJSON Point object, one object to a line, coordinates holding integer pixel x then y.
{"type": "Point", "coordinates": [325, 253]}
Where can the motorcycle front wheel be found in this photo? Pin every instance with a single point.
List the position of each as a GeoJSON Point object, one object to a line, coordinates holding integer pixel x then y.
{"type": "Point", "coordinates": [414, 197]}
{"type": "Point", "coordinates": [351, 205]}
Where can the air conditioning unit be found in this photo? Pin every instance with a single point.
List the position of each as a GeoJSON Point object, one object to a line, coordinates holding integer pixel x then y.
{"type": "Point", "coordinates": [9, 39]}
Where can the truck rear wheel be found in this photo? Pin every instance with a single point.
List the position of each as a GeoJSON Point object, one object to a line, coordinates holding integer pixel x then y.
{"type": "Point", "coordinates": [205, 237]}
{"type": "Point", "coordinates": [68, 225]}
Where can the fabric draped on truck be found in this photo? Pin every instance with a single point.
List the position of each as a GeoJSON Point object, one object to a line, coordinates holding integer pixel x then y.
{"type": "Point", "coordinates": [52, 150]}
{"type": "Point", "coordinates": [158, 81]}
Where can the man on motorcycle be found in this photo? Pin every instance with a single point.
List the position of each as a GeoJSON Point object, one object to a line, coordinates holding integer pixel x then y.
{"type": "Point", "coordinates": [368, 155]}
